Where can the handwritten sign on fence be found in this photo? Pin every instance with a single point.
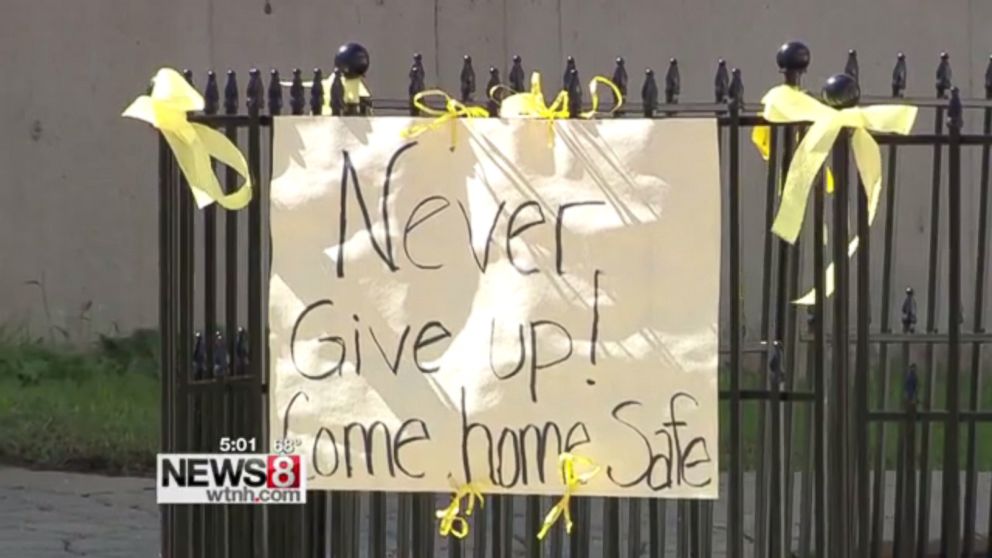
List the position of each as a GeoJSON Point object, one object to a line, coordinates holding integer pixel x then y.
{"type": "Point", "coordinates": [447, 313]}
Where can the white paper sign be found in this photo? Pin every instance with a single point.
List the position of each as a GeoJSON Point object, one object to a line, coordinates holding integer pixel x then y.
{"type": "Point", "coordinates": [442, 315]}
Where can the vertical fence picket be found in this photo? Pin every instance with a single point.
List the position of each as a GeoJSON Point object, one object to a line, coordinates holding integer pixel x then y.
{"type": "Point", "coordinates": [735, 501]}
{"type": "Point", "coordinates": [950, 529]}
{"type": "Point", "coordinates": [978, 327]}
{"type": "Point", "coordinates": [923, 525]}
{"type": "Point", "coordinates": [877, 516]}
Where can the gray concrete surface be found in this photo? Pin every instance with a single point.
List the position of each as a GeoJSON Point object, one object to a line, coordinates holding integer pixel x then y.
{"type": "Point", "coordinates": [55, 515]}
{"type": "Point", "coordinates": [78, 184]}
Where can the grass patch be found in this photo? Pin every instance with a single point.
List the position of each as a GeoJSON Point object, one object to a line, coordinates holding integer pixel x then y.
{"type": "Point", "coordinates": [802, 413]}
{"type": "Point", "coordinates": [91, 409]}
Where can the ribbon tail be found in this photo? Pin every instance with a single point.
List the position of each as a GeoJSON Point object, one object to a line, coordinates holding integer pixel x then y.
{"type": "Point", "coordinates": [549, 520]}
{"type": "Point", "coordinates": [868, 157]}
{"type": "Point", "coordinates": [191, 163]}
{"type": "Point", "coordinates": [806, 163]}
{"type": "Point", "coordinates": [809, 299]}
{"type": "Point", "coordinates": [221, 148]}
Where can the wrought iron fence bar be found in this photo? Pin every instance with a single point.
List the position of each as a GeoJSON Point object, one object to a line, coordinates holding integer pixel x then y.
{"type": "Point", "coordinates": [911, 338]}
{"type": "Point", "coordinates": [950, 529]}
{"type": "Point", "coordinates": [978, 310]}
{"type": "Point", "coordinates": [877, 516]}
{"type": "Point", "coordinates": [966, 417]}
{"type": "Point", "coordinates": [735, 505]}
{"type": "Point", "coordinates": [922, 529]}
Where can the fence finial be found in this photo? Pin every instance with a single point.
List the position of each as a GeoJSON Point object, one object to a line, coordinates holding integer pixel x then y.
{"type": "Point", "coordinates": [275, 93]}
{"type": "Point", "coordinates": [909, 312]}
{"type": "Point", "coordinates": [493, 104]}
{"type": "Point", "coordinates": [255, 97]}
{"type": "Point", "coordinates": [317, 92]}
{"type": "Point", "coordinates": [988, 79]}
{"type": "Point", "coordinates": [954, 120]}
{"type": "Point", "coordinates": [416, 76]}
{"type": "Point", "coordinates": [899, 76]}
{"type": "Point", "coordinates": [297, 98]}
{"type": "Point", "coordinates": [231, 93]}
{"type": "Point", "coordinates": [620, 80]}
{"type": "Point", "coordinates": [517, 77]}
{"type": "Point", "coordinates": [943, 75]}
{"type": "Point", "coordinates": [418, 66]}
{"type": "Point", "coordinates": [241, 349]}
{"type": "Point", "coordinates": [567, 76]}
{"type": "Point", "coordinates": [220, 355]}
{"type": "Point", "coordinates": [673, 82]}
{"type": "Point", "coordinates": [775, 366]}
{"type": "Point", "coordinates": [211, 96]}
{"type": "Point", "coordinates": [337, 93]}
{"type": "Point", "coordinates": [352, 59]}
{"type": "Point", "coordinates": [721, 83]}
{"type": "Point", "coordinates": [851, 67]}
{"type": "Point", "coordinates": [467, 79]}
{"type": "Point", "coordinates": [736, 90]}
{"type": "Point", "coordinates": [574, 89]}
{"type": "Point", "coordinates": [911, 384]}
{"type": "Point", "coordinates": [199, 356]}
{"type": "Point", "coordinates": [188, 74]}
{"type": "Point", "coordinates": [649, 93]}
{"type": "Point", "coordinates": [793, 58]}
{"type": "Point", "coordinates": [841, 91]}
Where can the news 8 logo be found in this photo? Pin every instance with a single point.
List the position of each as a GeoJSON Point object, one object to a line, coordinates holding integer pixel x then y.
{"type": "Point", "coordinates": [229, 478]}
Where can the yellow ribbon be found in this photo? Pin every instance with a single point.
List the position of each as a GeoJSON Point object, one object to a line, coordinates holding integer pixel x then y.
{"type": "Point", "coordinates": [786, 104]}
{"type": "Point", "coordinates": [193, 144]}
{"type": "Point", "coordinates": [761, 137]}
{"type": "Point", "coordinates": [451, 522]}
{"type": "Point", "coordinates": [354, 90]}
{"type": "Point", "coordinates": [594, 92]}
{"type": "Point", "coordinates": [452, 110]}
{"type": "Point", "coordinates": [531, 104]}
{"type": "Point", "coordinates": [573, 481]}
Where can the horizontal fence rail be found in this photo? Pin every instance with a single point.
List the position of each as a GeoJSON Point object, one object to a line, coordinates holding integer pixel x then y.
{"type": "Point", "coordinates": [875, 446]}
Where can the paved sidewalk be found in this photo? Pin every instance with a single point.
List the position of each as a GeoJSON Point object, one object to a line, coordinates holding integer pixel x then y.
{"type": "Point", "coordinates": [55, 514]}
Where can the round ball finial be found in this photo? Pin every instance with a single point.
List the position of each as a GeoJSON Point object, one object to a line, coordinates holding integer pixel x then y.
{"type": "Point", "coordinates": [841, 91]}
{"type": "Point", "coordinates": [352, 59]}
{"type": "Point", "coordinates": [793, 56]}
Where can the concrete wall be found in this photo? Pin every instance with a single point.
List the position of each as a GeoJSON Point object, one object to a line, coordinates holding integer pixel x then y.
{"type": "Point", "coordinates": [78, 183]}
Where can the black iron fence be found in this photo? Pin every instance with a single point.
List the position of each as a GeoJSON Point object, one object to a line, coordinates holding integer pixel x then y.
{"type": "Point", "coordinates": [831, 448]}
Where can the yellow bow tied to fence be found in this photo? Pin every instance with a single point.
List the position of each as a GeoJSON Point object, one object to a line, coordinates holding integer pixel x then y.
{"type": "Point", "coordinates": [531, 104]}
{"type": "Point", "coordinates": [786, 104]}
{"type": "Point", "coordinates": [193, 144]}
{"type": "Point", "coordinates": [452, 110]}
{"type": "Point", "coordinates": [573, 480]}
{"type": "Point", "coordinates": [451, 523]}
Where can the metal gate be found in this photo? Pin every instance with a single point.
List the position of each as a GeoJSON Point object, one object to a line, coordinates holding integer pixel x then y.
{"type": "Point", "coordinates": [831, 448]}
